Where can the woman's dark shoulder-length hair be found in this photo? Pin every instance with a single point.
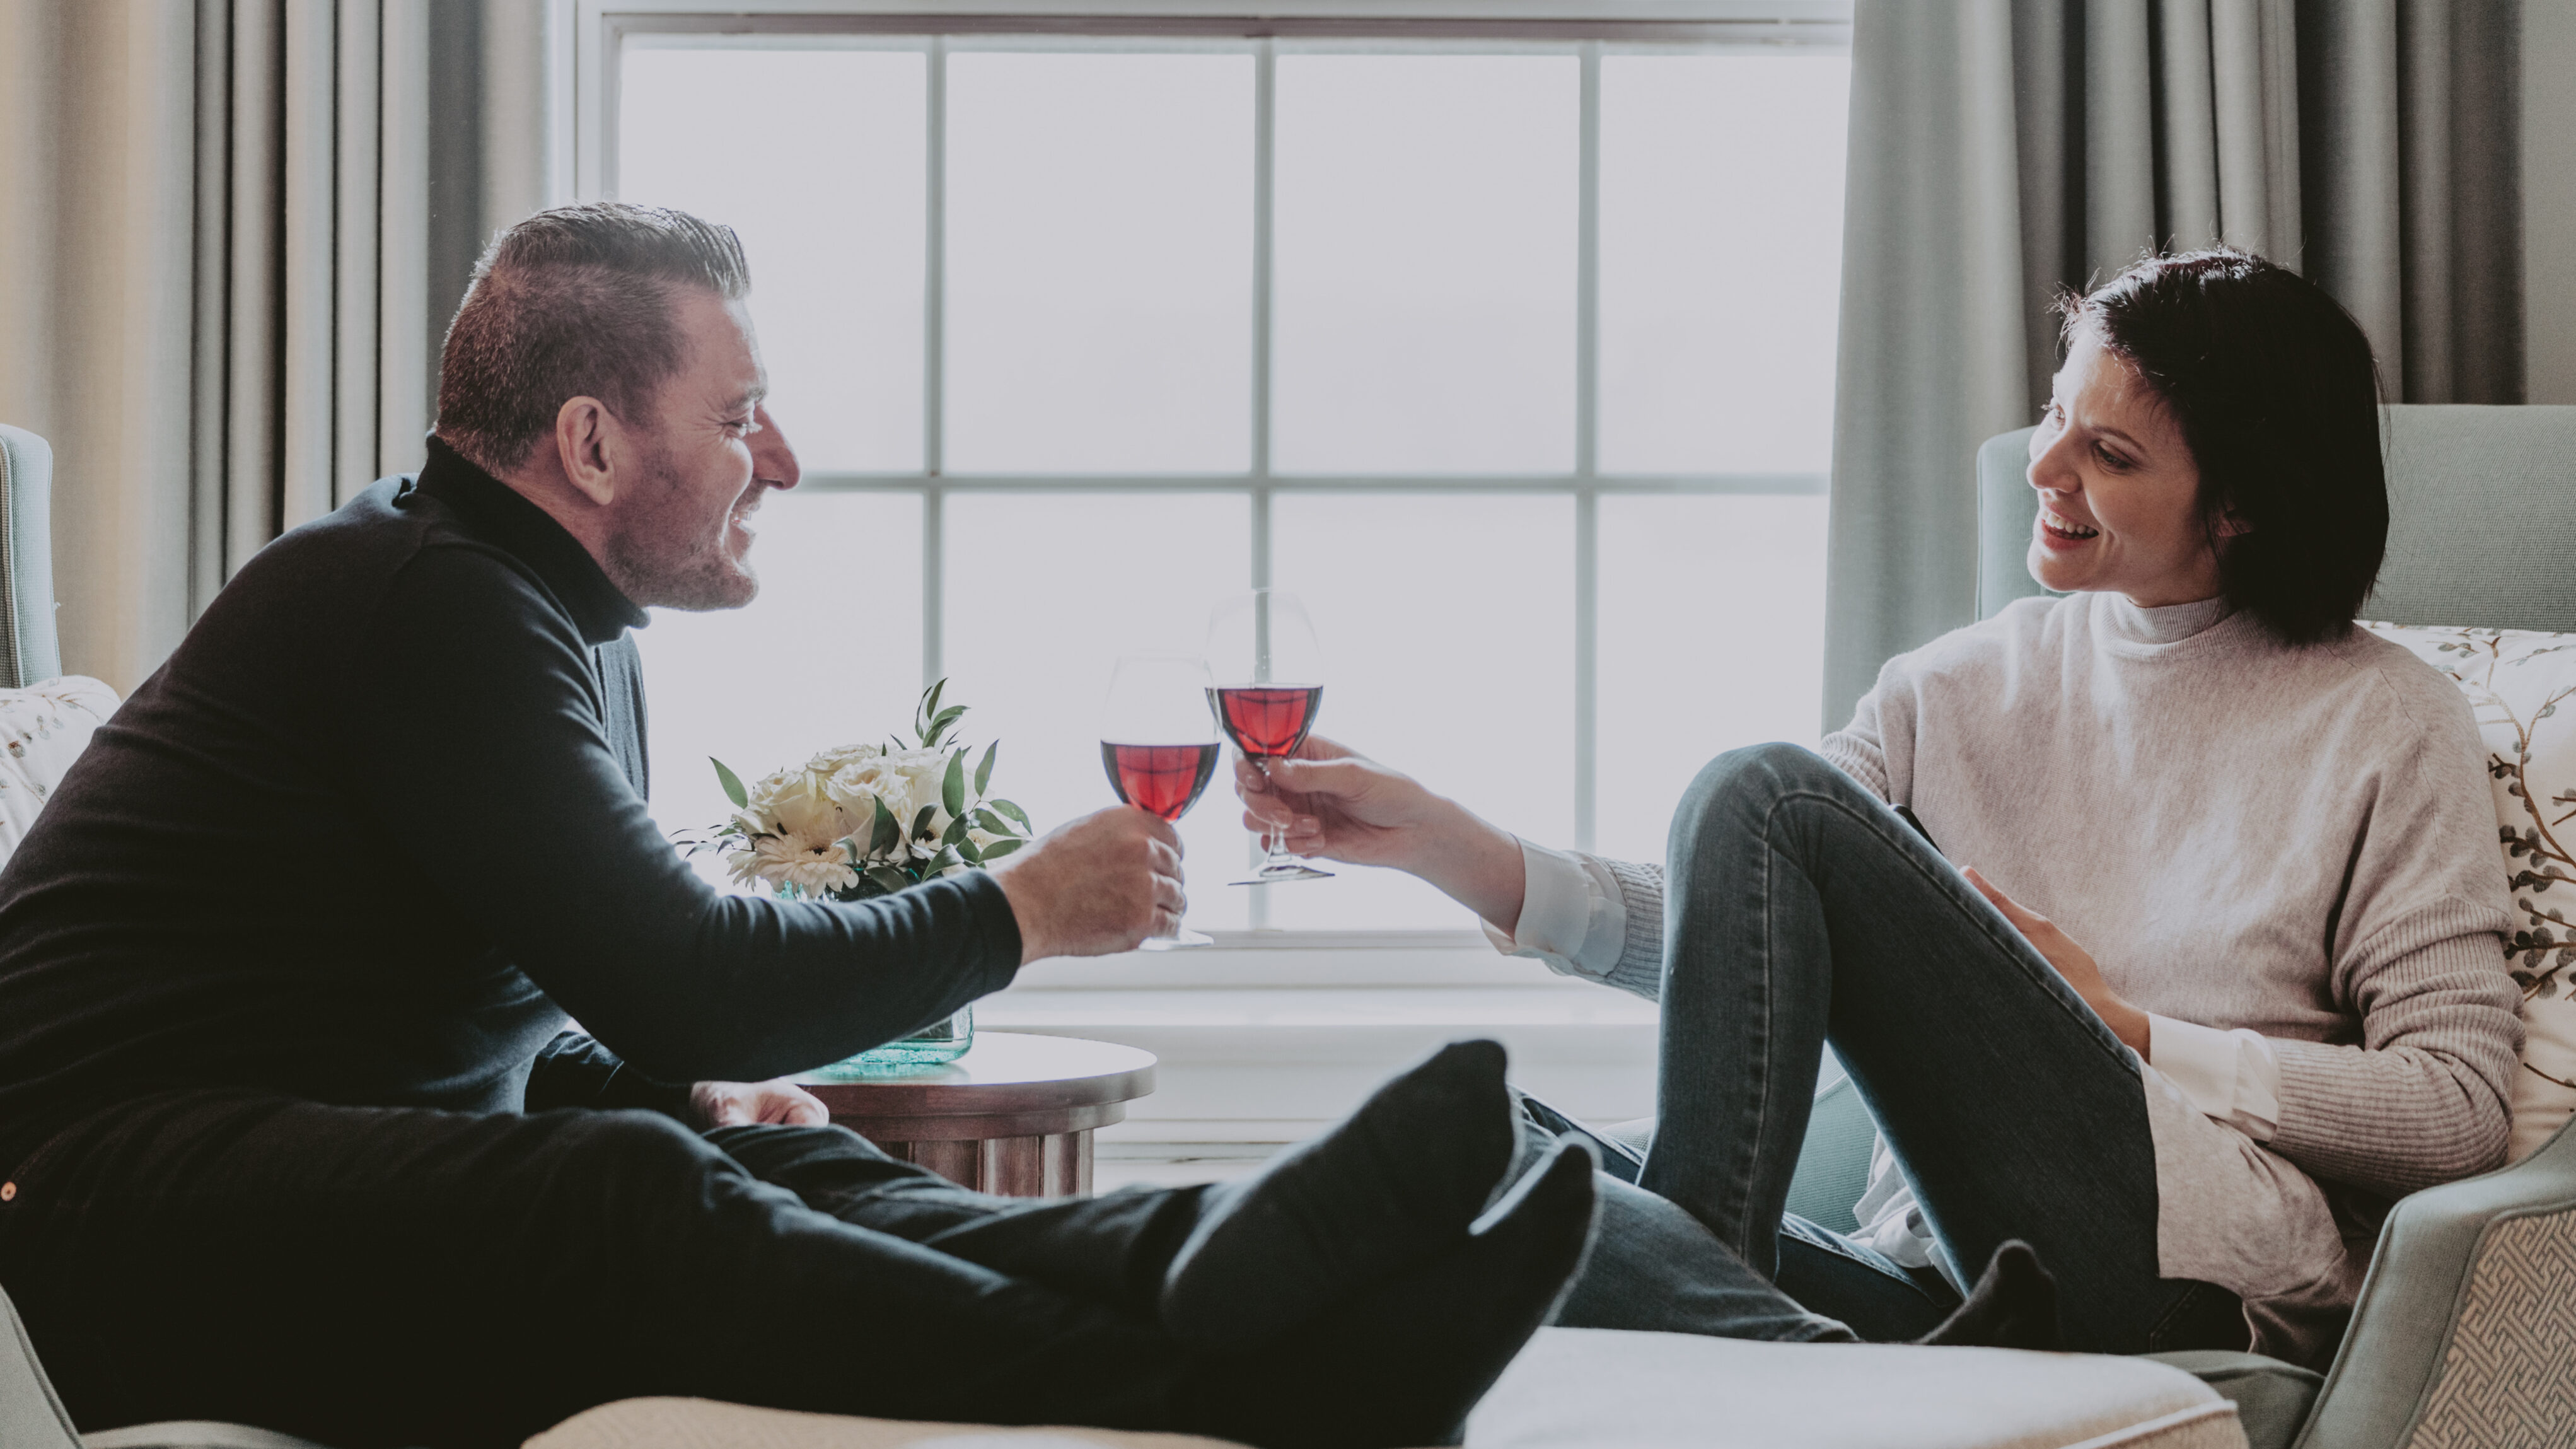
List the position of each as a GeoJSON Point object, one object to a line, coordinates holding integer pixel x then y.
{"type": "Point", "coordinates": [2273, 385]}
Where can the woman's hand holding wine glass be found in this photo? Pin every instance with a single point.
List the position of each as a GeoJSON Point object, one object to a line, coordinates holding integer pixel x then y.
{"type": "Point", "coordinates": [1328, 800]}
{"type": "Point", "coordinates": [1308, 796]}
{"type": "Point", "coordinates": [1268, 685]}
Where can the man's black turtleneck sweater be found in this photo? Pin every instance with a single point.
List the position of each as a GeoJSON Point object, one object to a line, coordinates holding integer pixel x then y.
{"type": "Point", "coordinates": [379, 824]}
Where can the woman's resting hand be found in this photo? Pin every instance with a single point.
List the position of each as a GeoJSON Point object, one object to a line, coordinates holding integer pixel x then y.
{"type": "Point", "coordinates": [1341, 805]}
{"type": "Point", "coordinates": [2073, 962]}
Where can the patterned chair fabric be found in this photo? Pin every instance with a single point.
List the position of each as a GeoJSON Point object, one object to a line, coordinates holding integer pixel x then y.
{"type": "Point", "coordinates": [2505, 1379]}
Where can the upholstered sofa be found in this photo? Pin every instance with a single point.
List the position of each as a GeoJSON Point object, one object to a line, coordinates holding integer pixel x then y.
{"type": "Point", "coordinates": [2466, 1329]}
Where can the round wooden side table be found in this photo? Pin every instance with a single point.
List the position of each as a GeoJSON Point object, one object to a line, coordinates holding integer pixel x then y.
{"type": "Point", "coordinates": [1013, 1116]}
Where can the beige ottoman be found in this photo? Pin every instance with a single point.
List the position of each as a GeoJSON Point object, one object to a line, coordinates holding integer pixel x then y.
{"type": "Point", "coordinates": [1579, 1387]}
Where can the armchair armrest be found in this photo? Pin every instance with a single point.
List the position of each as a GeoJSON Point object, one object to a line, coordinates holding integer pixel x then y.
{"type": "Point", "coordinates": [29, 650]}
{"type": "Point", "coordinates": [2466, 1323]}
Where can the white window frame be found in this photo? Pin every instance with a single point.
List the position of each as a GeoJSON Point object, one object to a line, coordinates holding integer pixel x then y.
{"type": "Point", "coordinates": [584, 101]}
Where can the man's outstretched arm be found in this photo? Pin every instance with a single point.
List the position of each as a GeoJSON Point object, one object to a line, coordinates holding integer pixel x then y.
{"type": "Point", "coordinates": [477, 737]}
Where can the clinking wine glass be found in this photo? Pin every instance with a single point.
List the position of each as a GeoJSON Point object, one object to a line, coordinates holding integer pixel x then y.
{"type": "Point", "coordinates": [1269, 683]}
{"type": "Point", "coordinates": [1159, 746]}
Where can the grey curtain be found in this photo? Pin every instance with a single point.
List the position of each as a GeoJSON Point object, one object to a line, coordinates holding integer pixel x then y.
{"type": "Point", "coordinates": [2004, 150]}
{"type": "Point", "coordinates": [229, 239]}
{"type": "Point", "coordinates": [311, 199]}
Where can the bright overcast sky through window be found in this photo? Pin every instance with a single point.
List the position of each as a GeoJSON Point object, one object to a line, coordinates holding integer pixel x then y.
{"type": "Point", "coordinates": [1098, 339]}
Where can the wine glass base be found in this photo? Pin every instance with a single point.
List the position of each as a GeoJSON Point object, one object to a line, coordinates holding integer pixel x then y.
{"type": "Point", "coordinates": [1178, 941]}
{"type": "Point", "coordinates": [1270, 876]}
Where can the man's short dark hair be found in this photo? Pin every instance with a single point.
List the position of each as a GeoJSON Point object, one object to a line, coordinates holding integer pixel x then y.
{"type": "Point", "coordinates": [574, 302]}
{"type": "Point", "coordinates": [2273, 385]}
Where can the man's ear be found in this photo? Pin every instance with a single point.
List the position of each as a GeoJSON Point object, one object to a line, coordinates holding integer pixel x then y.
{"type": "Point", "coordinates": [587, 442]}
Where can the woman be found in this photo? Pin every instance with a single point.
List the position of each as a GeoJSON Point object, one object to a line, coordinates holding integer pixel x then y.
{"type": "Point", "coordinates": [2222, 976]}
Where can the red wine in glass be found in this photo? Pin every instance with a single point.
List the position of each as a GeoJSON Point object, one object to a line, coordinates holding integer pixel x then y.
{"type": "Point", "coordinates": [1157, 701]}
{"type": "Point", "coordinates": [1267, 683]}
{"type": "Point", "coordinates": [1164, 780]}
{"type": "Point", "coordinates": [1267, 719]}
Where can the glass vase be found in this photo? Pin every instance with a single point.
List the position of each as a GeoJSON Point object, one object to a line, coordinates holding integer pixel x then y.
{"type": "Point", "coordinates": [931, 1047]}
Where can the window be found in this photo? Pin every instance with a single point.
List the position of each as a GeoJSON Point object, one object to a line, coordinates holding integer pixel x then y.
{"type": "Point", "coordinates": [1512, 351]}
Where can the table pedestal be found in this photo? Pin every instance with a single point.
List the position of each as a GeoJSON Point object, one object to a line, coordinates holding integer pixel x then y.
{"type": "Point", "coordinates": [1013, 1116]}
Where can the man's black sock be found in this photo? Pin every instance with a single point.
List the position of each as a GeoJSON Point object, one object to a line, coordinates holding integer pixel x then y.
{"type": "Point", "coordinates": [1401, 1363]}
{"type": "Point", "coordinates": [1397, 1183]}
{"type": "Point", "coordinates": [2014, 1305]}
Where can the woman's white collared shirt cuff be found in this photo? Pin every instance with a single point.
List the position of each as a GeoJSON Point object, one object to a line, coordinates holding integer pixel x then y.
{"type": "Point", "coordinates": [1572, 915]}
{"type": "Point", "coordinates": [2230, 1076]}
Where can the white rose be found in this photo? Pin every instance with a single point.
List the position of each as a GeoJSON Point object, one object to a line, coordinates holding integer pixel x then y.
{"type": "Point", "coordinates": [764, 792]}
{"type": "Point", "coordinates": [802, 808]}
{"type": "Point", "coordinates": [855, 795]}
{"type": "Point", "coordinates": [841, 757]}
{"type": "Point", "coordinates": [921, 773]}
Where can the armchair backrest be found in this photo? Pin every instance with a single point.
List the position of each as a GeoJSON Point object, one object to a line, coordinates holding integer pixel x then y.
{"type": "Point", "coordinates": [2482, 518]}
{"type": "Point", "coordinates": [28, 651]}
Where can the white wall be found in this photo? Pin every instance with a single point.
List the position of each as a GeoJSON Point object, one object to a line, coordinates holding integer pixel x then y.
{"type": "Point", "coordinates": [2549, 199]}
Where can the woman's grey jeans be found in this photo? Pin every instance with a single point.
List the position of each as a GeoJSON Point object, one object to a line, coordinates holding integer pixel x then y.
{"type": "Point", "coordinates": [1799, 910]}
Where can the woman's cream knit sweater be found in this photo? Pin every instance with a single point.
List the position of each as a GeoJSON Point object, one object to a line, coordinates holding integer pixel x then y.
{"type": "Point", "coordinates": [2298, 841]}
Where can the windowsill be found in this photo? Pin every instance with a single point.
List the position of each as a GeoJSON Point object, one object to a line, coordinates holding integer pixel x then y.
{"type": "Point", "coordinates": [1263, 1043]}
{"type": "Point", "coordinates": [1298, 959]}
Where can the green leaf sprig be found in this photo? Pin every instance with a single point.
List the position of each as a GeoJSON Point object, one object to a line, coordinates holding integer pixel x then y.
{"type": "Point", "coordinates": [874, 851]}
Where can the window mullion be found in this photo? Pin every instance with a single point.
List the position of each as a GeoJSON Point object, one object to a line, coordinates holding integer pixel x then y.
{"type": "Point", "coordinates": [1264, 74]}
{"type": "Point", "coordinates": [1265, 64]}
{"type": "Point", "coordinates": [934, 370]}
{"type": "Point", "coordinates": [1587, 414]}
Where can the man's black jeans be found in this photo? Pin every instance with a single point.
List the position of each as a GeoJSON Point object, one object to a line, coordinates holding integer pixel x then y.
{"type": "Point", "coordinates": [369, 1276]}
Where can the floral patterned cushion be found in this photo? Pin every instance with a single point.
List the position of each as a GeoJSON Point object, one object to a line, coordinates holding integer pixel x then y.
{"type": "Point", "coordinates": [43, 728]}
{"type": "Point", "coordinates": [2520, 683]}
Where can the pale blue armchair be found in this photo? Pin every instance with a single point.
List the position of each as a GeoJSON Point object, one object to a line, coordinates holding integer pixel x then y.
{"type": "Point", "coordinates": [27, 649]}
{"type": "Point", "coordinates": [2466, 1329]}
{"type": "Point", "coordinates": [2465, 1334]}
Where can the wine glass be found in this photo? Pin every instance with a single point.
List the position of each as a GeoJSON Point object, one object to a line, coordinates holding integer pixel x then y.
{"type": "Point", "coordinates": [1269, 684]}
{"type": "Point", "coordinates": [1159, 746]}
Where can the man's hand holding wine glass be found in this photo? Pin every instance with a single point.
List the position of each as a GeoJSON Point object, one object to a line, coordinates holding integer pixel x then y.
{"type": "Point", "coordinates": [1095, 885]}
{"type": "Point", "coordinates": [1334, 802]}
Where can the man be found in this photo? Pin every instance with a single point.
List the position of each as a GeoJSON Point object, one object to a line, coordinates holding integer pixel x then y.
{"type": "Point", "coordinates": [294, 1133]}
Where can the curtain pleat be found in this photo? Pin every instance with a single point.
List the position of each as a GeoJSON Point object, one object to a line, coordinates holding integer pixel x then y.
{"type": "Point", "coordinates": [2369, 143]}
{"type": "Point", "coordinates": [2349, 65]}
{"type": "Point", "coordinates": [357, 242]}
{"type": "Point", "coordinates": [2186, 180]}
{"type": "Point", "coordinates": [304, 215]}
{"type": "Point", "coordinates": [253, 187]}
{"type": "Point", "coordinates": [404, 323]}
{"type": "Point", "coordinates": [2253, 67]}
{"type": "Point", "coordinates": [209, 335]}
{"type": "Point", "coordinates": [306, 360]}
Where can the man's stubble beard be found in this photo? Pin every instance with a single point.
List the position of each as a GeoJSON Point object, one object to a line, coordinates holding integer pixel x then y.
{"type": "Point", "coordinates": [660, 560]}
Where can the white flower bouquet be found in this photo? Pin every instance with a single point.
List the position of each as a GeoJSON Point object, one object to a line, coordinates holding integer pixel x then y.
{"type": "Point", "coordinates": [868, 820]}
